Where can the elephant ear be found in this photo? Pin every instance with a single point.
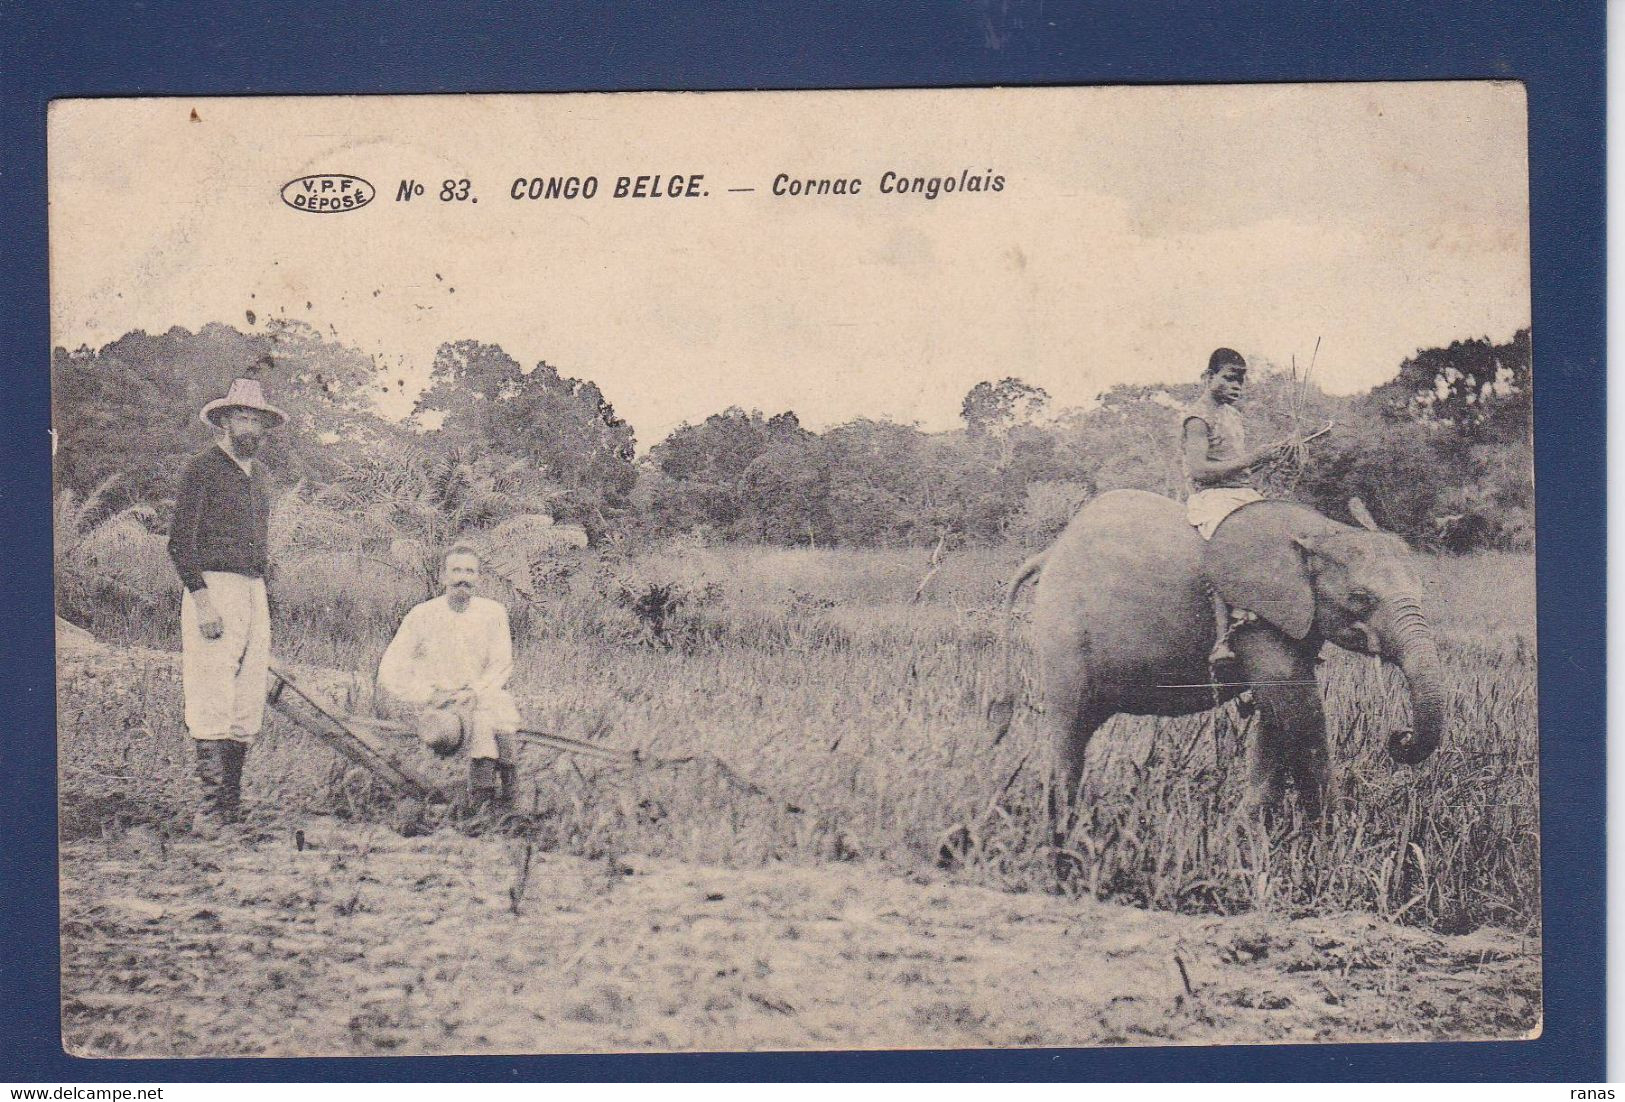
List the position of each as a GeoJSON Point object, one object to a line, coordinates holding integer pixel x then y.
{"type": "Point", "coordinates": [1256, 562]}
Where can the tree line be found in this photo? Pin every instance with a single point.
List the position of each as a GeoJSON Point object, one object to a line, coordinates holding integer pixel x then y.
{"type": "Point", "coordinates": [1442, 453]}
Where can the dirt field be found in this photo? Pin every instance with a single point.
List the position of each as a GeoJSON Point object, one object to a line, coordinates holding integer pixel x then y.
{"type": "Point", "coordinates": [366, 943]}
{"type": "Point", "coordinates": [667, 909]}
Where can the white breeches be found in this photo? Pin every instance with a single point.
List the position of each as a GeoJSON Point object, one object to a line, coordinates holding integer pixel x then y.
{"type": "Point", "coordinates": [484, 721]}
{"type": "Point", "coordinates": [224, 678]}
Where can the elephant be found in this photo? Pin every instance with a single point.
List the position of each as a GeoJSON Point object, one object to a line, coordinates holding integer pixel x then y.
{"type": "Point", "coordinates": [1123, 622]}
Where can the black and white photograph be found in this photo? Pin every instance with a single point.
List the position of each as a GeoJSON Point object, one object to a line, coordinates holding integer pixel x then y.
{"type": "Point", "coordinates": [968, 568]}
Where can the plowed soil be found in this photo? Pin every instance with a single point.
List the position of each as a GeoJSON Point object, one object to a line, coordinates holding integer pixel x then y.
{"type": "Point", "coordinates": [364, 942]}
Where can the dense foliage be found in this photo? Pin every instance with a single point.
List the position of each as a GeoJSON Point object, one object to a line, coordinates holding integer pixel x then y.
{"type": "Point", "coordinates": [1442, 453]}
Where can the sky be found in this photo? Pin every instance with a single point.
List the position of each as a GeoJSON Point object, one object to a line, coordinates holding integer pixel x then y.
{"type": "Point", "coordinates": [1136, 230]}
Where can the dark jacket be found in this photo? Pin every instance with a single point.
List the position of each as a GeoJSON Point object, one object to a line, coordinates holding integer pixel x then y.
{"type": "Point", "coordinates": [222, 519]}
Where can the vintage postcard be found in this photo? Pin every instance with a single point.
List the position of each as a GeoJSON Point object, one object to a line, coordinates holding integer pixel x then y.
{"type": "Point", "coordinates": [970, 568]}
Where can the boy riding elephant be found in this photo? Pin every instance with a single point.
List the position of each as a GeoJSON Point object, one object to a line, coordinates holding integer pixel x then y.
{"type": "Point", "coordinates": [1213, 445]}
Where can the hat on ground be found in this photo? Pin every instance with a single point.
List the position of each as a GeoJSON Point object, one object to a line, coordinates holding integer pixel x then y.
{"type": "Point", "coordinates": [244, 394]}
{"type": "Point", "coordinates": [441, 730]}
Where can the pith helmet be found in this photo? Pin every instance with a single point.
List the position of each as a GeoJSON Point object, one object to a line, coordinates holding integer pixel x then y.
{"type": "Point", "coordinates": [244, 394]}
{"type": "Point", "coordinates": [441, 730]}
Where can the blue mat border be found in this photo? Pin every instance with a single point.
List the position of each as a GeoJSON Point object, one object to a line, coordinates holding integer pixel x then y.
{"type": "Point", "coordinates": [1556, 49]}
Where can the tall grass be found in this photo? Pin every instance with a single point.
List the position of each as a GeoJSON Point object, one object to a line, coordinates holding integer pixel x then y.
{"type": "Point", "coordinates": [854, 699]}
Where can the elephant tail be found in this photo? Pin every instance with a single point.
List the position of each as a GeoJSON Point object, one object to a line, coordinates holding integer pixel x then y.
{"type": "Point", "coordinates": [1001, 709]}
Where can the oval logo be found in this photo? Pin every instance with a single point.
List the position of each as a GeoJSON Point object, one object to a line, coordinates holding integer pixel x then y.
{"type": "Point", "coordinates": [328, 193]}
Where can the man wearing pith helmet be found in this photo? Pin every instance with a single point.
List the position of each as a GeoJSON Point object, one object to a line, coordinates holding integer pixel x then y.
{"type": "Point", "coordinates": [218, 539]}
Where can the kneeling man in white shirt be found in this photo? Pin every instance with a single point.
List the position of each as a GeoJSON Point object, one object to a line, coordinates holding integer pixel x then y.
{"type": "Point", "coordinates": [449, 664]}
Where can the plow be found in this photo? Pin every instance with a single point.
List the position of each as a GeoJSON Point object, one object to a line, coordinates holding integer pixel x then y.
{"type": "Point", "coordinates": [379, 746]}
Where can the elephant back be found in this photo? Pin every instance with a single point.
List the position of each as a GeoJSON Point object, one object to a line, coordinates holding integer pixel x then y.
{"type": "Point", "coordinates": [1129, 526]}
{"type": "Point", "coordinates": [1122, 590]}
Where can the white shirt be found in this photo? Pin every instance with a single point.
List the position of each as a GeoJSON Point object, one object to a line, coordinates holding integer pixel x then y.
{"type": "Point", "coordinates": [438, 649]}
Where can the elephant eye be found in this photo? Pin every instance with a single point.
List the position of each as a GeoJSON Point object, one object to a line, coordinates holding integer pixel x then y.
{"type": "Point", "coordinates": [1361, 599]}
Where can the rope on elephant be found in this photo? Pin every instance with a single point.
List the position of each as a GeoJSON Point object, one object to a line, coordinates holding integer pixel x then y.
{"type": "Point", "coordinates": [1234, 684]}
{"type": "Point", "coordinates": [638, 759]}
{"type": "Point", "coordinates": [727, 772]}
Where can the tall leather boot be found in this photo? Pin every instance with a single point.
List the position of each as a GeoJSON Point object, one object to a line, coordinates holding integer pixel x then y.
{"type": "Point", "coordinates": [231, 789]}
{"type": "Point", "coordinates": [507, 773]}
{"type": "Point", "coordinates": [211, 775]}
{"type": "Point", "coordinates": [482, 783]}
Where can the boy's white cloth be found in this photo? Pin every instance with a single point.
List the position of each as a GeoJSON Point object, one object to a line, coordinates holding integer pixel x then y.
{"type": "Point", "coordinates": [440, 650]}
{"type": "Point", "coordinates": [1206, 508]}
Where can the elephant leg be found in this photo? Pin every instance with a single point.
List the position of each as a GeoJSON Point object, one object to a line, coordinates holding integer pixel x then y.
{"type": "Point", "coordinates": [1290, 739]}
{"type": "Point", "coordinates": [1072, 726]}
{"type": "Point", "coordinates": [1308, 756]}
{"type": "Point", "coordinates": [1266, 780]}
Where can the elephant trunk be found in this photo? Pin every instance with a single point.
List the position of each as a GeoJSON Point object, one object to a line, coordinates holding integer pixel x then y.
{"type": "Point", "coordinates": [1410, 643]}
